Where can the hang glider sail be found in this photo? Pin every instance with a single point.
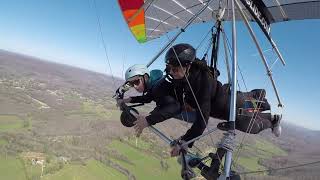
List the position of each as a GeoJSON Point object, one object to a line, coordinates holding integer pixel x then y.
{"type": "Point", "coordinates": [150, 19]}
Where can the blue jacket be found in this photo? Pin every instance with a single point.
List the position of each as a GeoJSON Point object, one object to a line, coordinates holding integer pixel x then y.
{"type": "Point", "coordinates": [155, 76]}
{"type": "Point", "coordinates": [161, 91]}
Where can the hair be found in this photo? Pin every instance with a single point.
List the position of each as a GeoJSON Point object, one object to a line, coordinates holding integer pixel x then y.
{"type": "Point", "coordinates": [201, 64]}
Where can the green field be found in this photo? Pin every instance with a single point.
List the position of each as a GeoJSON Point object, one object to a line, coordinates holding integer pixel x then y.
{"type": "Point", "coordinates": [267, 149]}
{"type": "Point", "coordinates": [11, 168]}
{"type": "Point", "coordinates": [138, 142]}
{"type": "Point", "coordinates": [3, 142]}
{"type": "Point", "coordinates": [141, 162]}
{"type": "Point", "coordinates": [71, 96]}
{"type": "Point", "coordinates": [145, 166]}
{"type": "Point", "coordinates": [250, 163]}
{"type": "Point", "coordinates": [93, 170]}
{"type": "Point", "coordinates": [262, 149]}
{"type": "Point", "coordinates": [10, 122]}
{"type": "Point", "coordinates": [143, 156]}
{"type": "Point", "coordinates": [89, 110]}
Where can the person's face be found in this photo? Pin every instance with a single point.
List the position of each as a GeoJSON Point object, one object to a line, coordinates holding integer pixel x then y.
{"type": "Point", "coordinates": [137, 82]}
{"type": "Point", "coordinates": [177, 72]}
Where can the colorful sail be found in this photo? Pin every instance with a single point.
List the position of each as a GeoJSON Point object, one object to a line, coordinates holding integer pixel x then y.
{"type": "Point", "coordinates": [153, 18]}
{"type": "Point", "coordinates": [134, 15]}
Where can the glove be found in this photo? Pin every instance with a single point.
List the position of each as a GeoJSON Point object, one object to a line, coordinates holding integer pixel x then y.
{"type": "Point", "coordinates": [120, 101]}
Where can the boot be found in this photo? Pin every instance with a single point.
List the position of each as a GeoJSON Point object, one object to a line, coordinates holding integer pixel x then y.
{"type": "Point", "coordinates": [209, 174]}
{"type": "Point", "coordinates": [276, 127]}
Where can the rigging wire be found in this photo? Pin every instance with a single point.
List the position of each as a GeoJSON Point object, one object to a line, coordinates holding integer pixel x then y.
{"type": "Point", "coordinates": [205, 55]}
{"type": "Point", "coordinates": [189, 85]}
{"type": "Point", "coordinates": [188, 81]}
{"type": "Point", "coordinates": [252, 120]}
{"type": "Point", "coordinates": [279, 169]}
{"type": "Point", "coordinates": [275, 61]}
{"type": "Point", "coordinates": [251, 123]}
{"type": "Point", "coordinates": [198, 106]}
{"type": "Point", "coordinates": [254, 116]}
{"type": "Point", "coordinates": [103, 41]}
{"type": "Point", "coordinates": [175, 92]}
{"type": "Point", "coordinates": [123, 64]}
{"type": "Point", "coordinates": [229, 50]}
{"type": "Point", "coordinates": [175, 89]}
{"type": "Point", "coordinates": [203, 39]}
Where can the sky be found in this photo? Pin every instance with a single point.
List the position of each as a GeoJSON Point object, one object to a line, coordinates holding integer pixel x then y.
{"type": "Point", "coordinates": [68, 32]}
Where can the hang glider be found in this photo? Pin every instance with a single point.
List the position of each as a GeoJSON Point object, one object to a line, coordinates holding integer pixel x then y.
{"type": "Point", "coordinates": [150, 19]}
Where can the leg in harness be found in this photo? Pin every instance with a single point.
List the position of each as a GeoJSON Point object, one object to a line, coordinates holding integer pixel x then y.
{"type": "Point", "coordinates": [251, 118]}
{"type": "Point", "coordinates": [252, 112]}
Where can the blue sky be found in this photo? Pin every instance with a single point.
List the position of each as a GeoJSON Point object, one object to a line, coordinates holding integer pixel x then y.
{"type": "Point", "coordinates": [67, 32]}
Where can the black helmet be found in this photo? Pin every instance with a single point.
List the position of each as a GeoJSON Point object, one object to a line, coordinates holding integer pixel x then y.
{"type": "Point", "coordinates": [127, 118]}
{"type": "Point", "coordinates": [184, 52]}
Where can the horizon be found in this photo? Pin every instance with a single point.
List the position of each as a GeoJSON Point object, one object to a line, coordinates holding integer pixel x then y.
{"type": "Point", "coordinates": [109, 76]}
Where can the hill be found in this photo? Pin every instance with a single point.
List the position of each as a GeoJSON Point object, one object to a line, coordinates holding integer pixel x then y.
{"type": "Point", "coordinates": [67, 117]}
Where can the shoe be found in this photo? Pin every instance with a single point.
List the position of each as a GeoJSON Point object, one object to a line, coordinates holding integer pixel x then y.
{"type": "Point", "coordinates": [223, 126]}
{"type": "Point", "coordinates": [208, 174]}
{"type": "Point", "coordinates": [188, 173]}
{"type": "Point", "coordinates": [191, 160]}
{"type": "Point", "coordinates": [276, 127]}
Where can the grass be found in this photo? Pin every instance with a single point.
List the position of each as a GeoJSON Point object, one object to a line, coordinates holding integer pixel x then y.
{"type": "Point", "coordinates": [262, 149]}
{"type": "Point", "coordinates": [93, 170]}
{"type": "Point", "coordinates": [3, 142]}
{"type": "Point", "coordinates": [111, 115]}
{"type": "Point", "coordinates": [148, 145]}
{"type": "Point", "coordinates": [11, 168]}
{"type": "Point", "coordinates": [10, 122]}
{"type": "Point", "coordinates": [250, 163]}
{"type": "Point", "coordinates": [73, 97]}
{"type": "Point", "coordinates": [146, 166]}
{"type": "Point", "coordinates": [139, 143]}
{"type": "Point", "coordinates": [32, 171]}
{"type": "Point", "coordinates": [90, 109]}
{"type": "Point", "coordinates": [267, 149]}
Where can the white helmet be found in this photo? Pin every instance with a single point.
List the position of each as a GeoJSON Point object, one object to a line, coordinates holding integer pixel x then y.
{"type": "Point", "coordinates": [136, 70]}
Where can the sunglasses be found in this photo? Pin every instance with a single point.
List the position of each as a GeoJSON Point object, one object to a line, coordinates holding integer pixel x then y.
{"type": "Point", "coordinates": [134, 82]}
{"type": "Point", "coordinates": [173, 69]}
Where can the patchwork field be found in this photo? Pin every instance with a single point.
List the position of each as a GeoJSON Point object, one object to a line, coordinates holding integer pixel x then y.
{"type": "Point", "coordinates": [69, 116]}
{"type": "Point", "coordinates": [146, 166]}
{"type": "Point", "coordinates": [12, 168]}
{"type": "Point", "coordinates": [10, 123]}
{"type": "Point", "coordinates": [91, 170]}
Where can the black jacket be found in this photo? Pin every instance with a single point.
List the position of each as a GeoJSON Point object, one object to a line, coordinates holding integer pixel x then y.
{"type": "Point", "coordinates": [169, 98]}
{"type": "Point", "coordinates": [166, 105]}
{"type": "Point", "coordinates": [204, 87]}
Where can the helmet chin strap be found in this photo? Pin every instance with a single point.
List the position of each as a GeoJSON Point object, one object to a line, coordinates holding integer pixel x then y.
{"type": "Point", "coordinates": [187, 70]}
{"type": "Point", "coordinates": [145, 85]}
